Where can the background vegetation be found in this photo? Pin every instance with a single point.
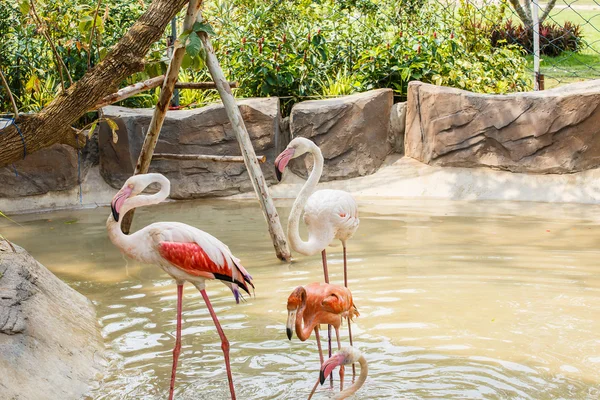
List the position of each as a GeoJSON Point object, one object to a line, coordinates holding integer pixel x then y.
{"type": "Point", "coordinates": [294, 49]}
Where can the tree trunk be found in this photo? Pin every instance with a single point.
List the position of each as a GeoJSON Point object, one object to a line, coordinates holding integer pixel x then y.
{"type": "Point", "coordinates": [160, 111]}
{"type": "Point", "coordinates": [53, 124]}
{"type": "Point", "coordinates": [241, 133]}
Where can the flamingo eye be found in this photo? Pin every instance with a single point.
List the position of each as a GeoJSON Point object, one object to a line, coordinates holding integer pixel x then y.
{"type": "Point", "coordinates": [130, 186]}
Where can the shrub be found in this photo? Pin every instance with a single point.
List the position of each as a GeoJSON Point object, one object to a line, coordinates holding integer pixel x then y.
{"type": "Point", "coordinates": [554, 39]}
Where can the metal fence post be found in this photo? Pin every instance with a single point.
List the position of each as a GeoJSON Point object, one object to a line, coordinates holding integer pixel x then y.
{"type": "Point", "coordinates": [536, 44]}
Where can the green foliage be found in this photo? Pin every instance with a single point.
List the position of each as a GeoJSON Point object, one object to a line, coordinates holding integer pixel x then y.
{"type": "Point", "coordinates": [554, 39]}
{"type": "Point", "coordinates": [294, 49]}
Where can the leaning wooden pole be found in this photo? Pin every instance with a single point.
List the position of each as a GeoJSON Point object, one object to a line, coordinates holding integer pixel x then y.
{"type": "Point", "coordinates": [160, 111]}
{"type": "Point", "coordinates": [237, 123]}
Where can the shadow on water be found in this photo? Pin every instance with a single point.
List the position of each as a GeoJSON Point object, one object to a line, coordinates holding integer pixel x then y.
{"type": "Point", "coordinates": [458, 300]}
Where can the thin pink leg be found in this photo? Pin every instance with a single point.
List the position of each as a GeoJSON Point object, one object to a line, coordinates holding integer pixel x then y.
{"type": "Point", "coordinates": [326, 273]}
{"type": "Point", "coordinates": [349, 323]}
{"type": "Point", "coordinates": [318, 336]}
{"type": "Point", "coordinates": [224, 342]}
{"type": "Point", "coordinates": [177, 348]}
{"type": "Point", "coordinates": [342, 370]}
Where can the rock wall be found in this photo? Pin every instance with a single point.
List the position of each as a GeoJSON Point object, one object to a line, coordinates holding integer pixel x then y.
{"type": "Point", "coordinates": [200, 131]}
{"type": "Point", "coordinates": [552, 131]}
{"type": "Point", "coordinates": [352, 132]}
{"type": "Point", "coordinates": [50, 343]}
{"type": "Point", "coordinates": [51, 169]}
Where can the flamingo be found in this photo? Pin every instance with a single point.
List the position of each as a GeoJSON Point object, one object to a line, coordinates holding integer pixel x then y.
{"type": "Point", "coordinates": [182, 251]}
{"type": "Point", "coordinates": [328, 214]}
{"type": "Point", "coordinates": [315, 304]}
{"type": "Point", "coordinates": [346, 356]}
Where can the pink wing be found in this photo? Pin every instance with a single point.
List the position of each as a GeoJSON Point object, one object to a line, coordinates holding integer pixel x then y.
{"type": "Point", "coordinates": [193, 259]}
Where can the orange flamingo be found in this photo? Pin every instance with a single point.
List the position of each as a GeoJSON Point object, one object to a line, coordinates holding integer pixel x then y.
{"type": "Point", "coordinates": [182, 251]}
{"type": "Point", "coordinates": [315, 304]}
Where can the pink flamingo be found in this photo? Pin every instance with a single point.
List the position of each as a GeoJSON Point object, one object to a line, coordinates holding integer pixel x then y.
{"type": "Point", "coordinates": [329, 215]}
{"type": "Point", "coordinates": [182, 251]}
{"type": "Point", "coordinates": [315, 304]}
{"type": "Point", "coordinates": [346, 356]}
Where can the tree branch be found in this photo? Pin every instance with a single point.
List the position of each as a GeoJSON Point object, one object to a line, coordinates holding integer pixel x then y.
{"type": "Point", "coordinates": [10, 95]}
{"type": "Point", "coordinates": [53, 124]}
{"type": "Point", "coordinates": [59, 61]}
{"type": "Point", "coordinates": [546, 12]}
{"type": "Point", "coordinates": [521, 13]}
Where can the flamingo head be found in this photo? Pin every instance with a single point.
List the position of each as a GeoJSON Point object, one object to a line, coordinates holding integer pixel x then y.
{"type": "Point", "coordinates": [296, 148]}
{"type": "Point", "coordinates": [131, 188]}
{"type": "Point", "coordinates": [345, 356]}
{"type": "Point", "coordinates": [295, 301]}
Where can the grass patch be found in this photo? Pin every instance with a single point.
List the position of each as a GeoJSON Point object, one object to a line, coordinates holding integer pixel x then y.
{"type": "Point", "coordinates": [573, 67]}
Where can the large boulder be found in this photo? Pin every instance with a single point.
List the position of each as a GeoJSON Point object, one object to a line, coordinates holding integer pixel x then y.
{"type": "Point", "coordinates": [54, 168]}
{"type": "Point", "coordinates": [352, 132]}
{"type": "Point", "coordinates": [552, 131]}
{"type": "Point", "coordinates": [199, 131]}
{"type": "Point", "coordinates": [50, 342]}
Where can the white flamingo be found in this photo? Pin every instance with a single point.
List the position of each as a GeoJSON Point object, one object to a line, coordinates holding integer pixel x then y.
{"type": "Point", "coordinates": [346, 356]}
{"type": "Point", "coordinates": [182, 251]}
{"type": "Point", "coordinates": [329, 214]}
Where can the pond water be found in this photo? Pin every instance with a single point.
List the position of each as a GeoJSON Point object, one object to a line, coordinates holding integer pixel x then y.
{"type": "Point", "coordinates": [458, 300]}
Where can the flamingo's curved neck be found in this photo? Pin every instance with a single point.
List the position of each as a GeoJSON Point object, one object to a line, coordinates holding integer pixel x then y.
{"type": "Point", "coordinates": [116, 235]}
{"type": "Point", "coordinates": [303, 331]}
{"type": "Point", "coordinates": [364, 370]}
{"type": "Point", "coordinates": [314, 243]}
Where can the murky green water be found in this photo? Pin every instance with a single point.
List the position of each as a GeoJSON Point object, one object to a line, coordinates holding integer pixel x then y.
{"type": "Point", "coordinates": [457, 301]}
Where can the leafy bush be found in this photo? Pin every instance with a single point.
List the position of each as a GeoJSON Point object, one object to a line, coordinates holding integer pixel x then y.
{"type": "Point", "coordinates": [294, 49]}
{"type": "Point", "coordinates": [554, 39]}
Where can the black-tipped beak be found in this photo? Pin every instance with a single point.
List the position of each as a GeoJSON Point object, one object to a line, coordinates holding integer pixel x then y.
{"type": "Point", "coordinates": [115, 214]}
{"type": "Point", "coordinates": [289, 333]}
{"type": "Point", "coordinates": [321, 377]}
{"type": "Point", "coordinates": [278, 174]}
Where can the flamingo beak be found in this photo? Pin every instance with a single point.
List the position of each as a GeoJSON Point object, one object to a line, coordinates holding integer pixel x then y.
{"type": "Point", "coordinates": [282, 161]}
{"type": "Point", "coordinates": [328, 366]}
{"type": "Point", "coordinates": [289, 326]}
{"type": "Point", "coordinates": [118, 200]}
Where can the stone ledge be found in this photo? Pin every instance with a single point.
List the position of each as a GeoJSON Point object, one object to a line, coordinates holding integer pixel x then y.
{"type": "Point", "coordinates": [552, 131]}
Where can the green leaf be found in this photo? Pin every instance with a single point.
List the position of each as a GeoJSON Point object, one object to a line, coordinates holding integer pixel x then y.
{"type": "Point", "coordinates": [186, 62]}
{"type": "Point", "coordinates": [92, 128]}
{"type": "Point", "coordinates": [24, 7]}
{"type": "Point", "coordinates": [271, 80]}
{"type": "Point", "coordinates": [183, 37]}
{"type": "Point", "coordinates": [114, 128]}
{"type": "Point", "coordinates": [203, 27]}
{"type": "Point", "coordinates": [85, 25]}
{"type": "Point", "coordinates": [193, 45]}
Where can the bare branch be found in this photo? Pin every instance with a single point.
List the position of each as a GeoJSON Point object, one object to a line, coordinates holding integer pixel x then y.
{"type": "Point", "coordinates": [546, 12]}
{"type": "Point", "coordinates": [203, 157]}
{"type": "Point", "coordinates": [129, 91]}
{"type": "Point", "coordinates": [59, 61]}
{"type": "Point", "coordinates": [89, 64]}
{"type": "Point", "coordinates": [10, 95]}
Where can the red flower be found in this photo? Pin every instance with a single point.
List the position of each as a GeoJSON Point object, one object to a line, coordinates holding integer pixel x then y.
{"type": "Point", "coordinates": [435, 35]}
